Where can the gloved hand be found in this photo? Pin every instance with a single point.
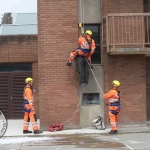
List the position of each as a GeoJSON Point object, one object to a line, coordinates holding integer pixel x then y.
{"type": "Point", "coordinates": [91, 53]}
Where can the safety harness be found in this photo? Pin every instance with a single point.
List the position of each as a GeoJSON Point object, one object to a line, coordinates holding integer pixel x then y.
{"type": "Point", "coordinates": [24, 106]}
{"type": "Point", "coordinates": [86, 51]}
{"type": "Point", "coordinates": [116, 104]}
{"type": "Point", "coordinates": [26, 102]}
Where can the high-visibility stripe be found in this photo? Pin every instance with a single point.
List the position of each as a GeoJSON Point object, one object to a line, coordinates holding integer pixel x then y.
{"type": "Point", "coordinates": [30, 101]}
{"type": "Point", "coordinates": [113, 123]}
{"type": "Point", "coordinates": [112, 100]}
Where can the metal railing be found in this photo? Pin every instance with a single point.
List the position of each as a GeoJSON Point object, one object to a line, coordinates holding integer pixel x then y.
{"type": "Point", "coordinates": [128, 30]}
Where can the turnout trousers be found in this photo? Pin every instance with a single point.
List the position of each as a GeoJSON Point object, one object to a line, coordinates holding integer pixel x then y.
{"type": "Point", "coordinates": [83, 69]}
{"type": "Point", "coordinates": [30, 116]}
{"type": "Point", "coordinates": [113, 121]}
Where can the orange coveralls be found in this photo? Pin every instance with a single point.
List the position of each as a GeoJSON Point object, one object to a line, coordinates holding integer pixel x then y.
{"type": "Point", "coordinates": [85, 49]}
{"type": "Point", "coordinates": [114, 107]}
{"type": "Point", "coordinates": [29, 116]}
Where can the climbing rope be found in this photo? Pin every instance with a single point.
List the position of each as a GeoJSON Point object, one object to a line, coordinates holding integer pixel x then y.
{"type": "Point", "coordinates": [81, 25]}
{"type": "Point", "coordinates": [76, 109]}
{"type": "Point", "coordinates": [95, 77]}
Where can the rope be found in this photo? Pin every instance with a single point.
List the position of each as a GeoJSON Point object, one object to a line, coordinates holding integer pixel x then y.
{"type": "Point", "coordinates": [81, 24]}
{"type": "Point", "coordinates": [95, 77]}
{"type": "Point", "coordinates": [76, 109]}
{"type": "Point", "coordinates": [105, 104]}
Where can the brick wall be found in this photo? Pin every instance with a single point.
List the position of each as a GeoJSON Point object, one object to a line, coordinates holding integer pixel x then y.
{"type": "Point", "coordinates": [58, 84]}
{"type": "Point", "coordinates": [36, 87]}
{"type": "Point", "coordinates": [21, 49]}
{"type": "Point", "coordinates": [148, 87]}
{"type": "Point", "coordinates": [128, 69]}
{"type": "Point", "coordinates": [122, 6]}
{"type": "Point", "coordinates": [18, 48]}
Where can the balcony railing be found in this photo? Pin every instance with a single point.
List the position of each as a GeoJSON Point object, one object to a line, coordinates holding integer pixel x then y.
{"type": "Point", "coordinates": [128, 33]}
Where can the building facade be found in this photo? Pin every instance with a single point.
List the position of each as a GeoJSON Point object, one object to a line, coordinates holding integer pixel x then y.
{"type": "Point", "coordinates": [121, 31]}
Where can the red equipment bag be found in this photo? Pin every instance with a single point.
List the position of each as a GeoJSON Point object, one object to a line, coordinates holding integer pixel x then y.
{"type": "Point", "coordinates": [55, 127]}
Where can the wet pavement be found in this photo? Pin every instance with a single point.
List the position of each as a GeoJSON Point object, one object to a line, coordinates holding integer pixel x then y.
{"type": "Point", "coordinates": [126, 139]}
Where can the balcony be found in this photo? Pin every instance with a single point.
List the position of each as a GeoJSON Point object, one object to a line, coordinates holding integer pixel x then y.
{"type": "Point", "coordinates": [128, 33]}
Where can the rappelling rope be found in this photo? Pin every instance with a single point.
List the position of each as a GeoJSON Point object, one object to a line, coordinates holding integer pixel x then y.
{"type": "Point", "coordinates": [95, 77]}
{"type": "Point", "coordinates": [105, 104]}
{"type": "Point", "coordinates": [81, 25]}
{"type": "Point", "coordinates": [76, 109]}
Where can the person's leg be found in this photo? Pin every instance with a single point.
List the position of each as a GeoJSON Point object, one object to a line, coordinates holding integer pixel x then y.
{"type": "Point", "coordinates": [113, 123]}
{"type": "Point", "coordinates": [81, 70]}
{"type": "Point", "coordinates": [73, 54]}
{"type": "Point", "coordinates": [33, 120]}
{"type": "Point", "coordinates": [116, 119]}
{"type": "Point", "coordinates": [86, 71]}
{"type": "Point", "coordinates": [26, 123]}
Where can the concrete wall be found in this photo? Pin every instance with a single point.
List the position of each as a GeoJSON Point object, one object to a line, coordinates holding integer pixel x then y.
{"type": "Point", "coordinates": [89, 112]}
{"type": "Point", "coordinates": [89, 11]}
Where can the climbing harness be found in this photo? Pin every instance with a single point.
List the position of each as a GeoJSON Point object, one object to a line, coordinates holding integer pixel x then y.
{"type": "Point", "coordinates": [26, 102]}
{"type": "Point", "coordinates": [24, 106]}
{"type": "Point", "coordinates": [115, 112]}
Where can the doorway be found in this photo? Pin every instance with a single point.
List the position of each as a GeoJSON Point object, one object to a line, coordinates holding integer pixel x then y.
{"type": "Point", "coordinates": [12, 83]}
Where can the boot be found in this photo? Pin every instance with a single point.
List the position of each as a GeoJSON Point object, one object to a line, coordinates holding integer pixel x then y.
{"type": "Point", "coordinates": [68, 63]}
{"type": "Point", "coordinates": [113, 132]}
{"type": "Point", "coordinates": [26, 131]}
{"type": "Point", "coordinates": [82, 84]}
{"type": "Point", "coordinates": [38, 132]}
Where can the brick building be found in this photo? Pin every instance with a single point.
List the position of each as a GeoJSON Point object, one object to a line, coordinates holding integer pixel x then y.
{"type": "Point", "coordinates": [121, 31]}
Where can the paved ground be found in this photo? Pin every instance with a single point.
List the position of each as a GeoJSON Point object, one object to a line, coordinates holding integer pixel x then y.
{"type": "Point", "coordinates": [81, 139]}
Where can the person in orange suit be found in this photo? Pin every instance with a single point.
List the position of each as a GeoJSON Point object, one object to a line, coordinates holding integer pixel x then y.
{"type": "Point", "coordinates": [84, 52]}
{"type": "Point", "coordinates": [113, 100]}
{"type": "Point", "coordinates": [28, 108]}
{"type": "Point", "coordinates": [86, 47]}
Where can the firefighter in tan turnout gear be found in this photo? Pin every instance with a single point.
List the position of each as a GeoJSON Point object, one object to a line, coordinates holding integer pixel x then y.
{"type": "Point", "coordinates": [28, 108]}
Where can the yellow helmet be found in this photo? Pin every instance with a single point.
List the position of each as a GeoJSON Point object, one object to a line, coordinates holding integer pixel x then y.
{"type": "Point", "coordinates": [27, 80]}
{"type": "Point", "coordinates": [116, 83]}
{"type": "Point", "coordinates": [88, 32]}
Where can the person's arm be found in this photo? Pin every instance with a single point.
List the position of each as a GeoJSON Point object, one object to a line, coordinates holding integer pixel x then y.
{"type": "Point", "coordinates": [79, 40]}
{"type": "Point", "coordinates": [93, 46]}
{"type": "Point", "coordinates": [108, 95]}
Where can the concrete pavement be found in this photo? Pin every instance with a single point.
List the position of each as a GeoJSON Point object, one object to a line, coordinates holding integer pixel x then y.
{"type": "Point", "coordinates": [79, 139]}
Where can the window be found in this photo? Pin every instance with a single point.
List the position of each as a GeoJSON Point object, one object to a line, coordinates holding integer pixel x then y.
{"type": "Point", "coordinates": [95, 28]}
